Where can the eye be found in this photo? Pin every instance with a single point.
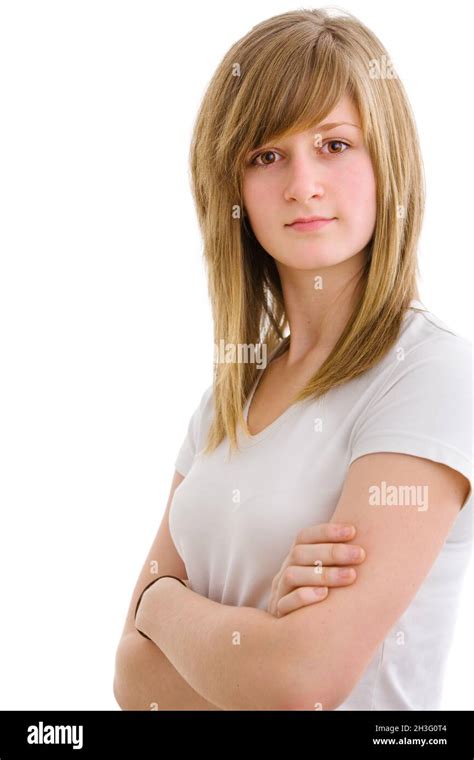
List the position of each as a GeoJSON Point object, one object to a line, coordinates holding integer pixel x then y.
{"type": "Point", "coordinates": [336, 142]}
{"type": "Point", "coordinates": [253, 161]}
{"type": "Point", "coordinates": [264, 153]}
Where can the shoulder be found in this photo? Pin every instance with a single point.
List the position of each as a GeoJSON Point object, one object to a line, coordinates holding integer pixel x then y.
{"type": "Point", "coordinates": [427, 350]}
{"type": "Point", "coordinates": [426, 334]}
{"type": "Point", "coordinates": [421, 399]}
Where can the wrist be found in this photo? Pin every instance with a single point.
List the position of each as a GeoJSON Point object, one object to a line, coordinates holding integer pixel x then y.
{"type": "Point", "coordinates": [151, 604]}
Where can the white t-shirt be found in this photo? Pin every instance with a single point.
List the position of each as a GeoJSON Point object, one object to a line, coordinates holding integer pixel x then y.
{"type": "Point", "coordinates": [233, 520]}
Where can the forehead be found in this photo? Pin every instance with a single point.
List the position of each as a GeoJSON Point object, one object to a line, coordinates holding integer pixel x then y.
{"type": "Point", "coordinates": [344, 112]}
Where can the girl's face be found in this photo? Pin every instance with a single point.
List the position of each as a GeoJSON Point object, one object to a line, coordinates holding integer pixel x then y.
{"type": "Point", "coordinates": [326, 171]}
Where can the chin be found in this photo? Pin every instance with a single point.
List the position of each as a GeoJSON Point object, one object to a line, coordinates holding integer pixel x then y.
{"type": "Point", "coordinates": [313, 259]}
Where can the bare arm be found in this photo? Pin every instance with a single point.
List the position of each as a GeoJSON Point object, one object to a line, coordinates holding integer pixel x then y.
{"type": "Point", "coordinates": [239, 658]}
{"type": "Point", "coordinates": [144, 678]}
{"type": "Point", "coordinates": [212, 656]}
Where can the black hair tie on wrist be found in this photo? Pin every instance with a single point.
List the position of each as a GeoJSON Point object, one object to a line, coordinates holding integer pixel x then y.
{"type": "Point", "coordinates": [140, 598]}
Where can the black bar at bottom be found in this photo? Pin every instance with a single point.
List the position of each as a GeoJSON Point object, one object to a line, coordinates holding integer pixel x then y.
{"type": "Point", "coordinates": [423, 734]}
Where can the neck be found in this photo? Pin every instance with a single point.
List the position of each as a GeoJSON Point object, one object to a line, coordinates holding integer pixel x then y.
{"type": "Point", "coordinates": [318, 305]}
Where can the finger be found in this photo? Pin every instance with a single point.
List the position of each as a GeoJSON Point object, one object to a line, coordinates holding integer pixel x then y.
{"type": "Point", "coordinates": [296, 576]}
{"type": "Point", "coordinates": [301, 597]}
{"type": "Point", "coordinates": [325, 532]}
{"type": "Point", "coordinates": [325, 554]}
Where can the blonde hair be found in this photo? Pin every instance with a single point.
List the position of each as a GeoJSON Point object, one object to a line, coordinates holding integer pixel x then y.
{"type": "Point", "coordinates": [285, 75]}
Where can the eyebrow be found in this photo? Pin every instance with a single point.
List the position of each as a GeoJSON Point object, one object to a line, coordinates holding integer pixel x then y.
{"type": "Point", "coordinates": [325, 128]}
{"type": "Point", "coordinates": [331, 125]}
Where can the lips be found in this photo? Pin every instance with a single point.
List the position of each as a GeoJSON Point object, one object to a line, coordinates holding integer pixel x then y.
{"type": "Point", "coordinates": [306, 219]}
{"type": "Point", "coordinates": [310, 226]}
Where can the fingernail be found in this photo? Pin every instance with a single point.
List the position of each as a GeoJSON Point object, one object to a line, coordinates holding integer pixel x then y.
{"type": "Point", "coordinates": [354, 553]}
{"type": "Point", "coordinates": [346, 531]}
{"type": "Point", "coordinates": [320, 591]}
{"type": "Point", "coordinates": [347, 572]}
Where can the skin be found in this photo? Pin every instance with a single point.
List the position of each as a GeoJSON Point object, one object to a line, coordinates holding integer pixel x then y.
{"type": "Point", "coordinates": [298, 185]}
{"type": "Point", "coordinates": [312, 567]}
{"type": "Point", "coordinates": [291, 178]}
{"type": "Point", "coordinates": [297, 176]}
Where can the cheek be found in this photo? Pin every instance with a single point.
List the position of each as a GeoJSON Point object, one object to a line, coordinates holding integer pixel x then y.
{"type": "Point", "coordinates": [260, 201]}
{"type": "Point", "coordinates": [358, 187]}
{"type": "Point", "coordinates": [256, 193]}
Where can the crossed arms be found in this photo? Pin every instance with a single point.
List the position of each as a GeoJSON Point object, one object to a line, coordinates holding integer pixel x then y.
{"type": "Point", "coordinates": [242, 658]}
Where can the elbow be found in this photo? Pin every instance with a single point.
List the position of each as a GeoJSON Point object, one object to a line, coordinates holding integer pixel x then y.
{"type": "Point", "coordinates": [118, 693]}
{"type": "Point", "coordinates": [293, 692]}
{"type": "Point", "coordinates": [123, 688]}
{"type": "Point", "coordinates": [314, 688]}
{"type": "Point", "coordinates": [312, 702]}
{"type": "Point", "coordinates": [119, 688]}
{"type": "Point", "coordinates": [298, 678]}
{"type": "Point", "coordinates": [322, 696]}
{"type": "Point", "coordinates": [314, 679]}
{"type": "Point", "coordinates": [124, 696]}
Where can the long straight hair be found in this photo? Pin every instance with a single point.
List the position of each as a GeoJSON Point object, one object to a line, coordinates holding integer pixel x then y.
{"type": "Point", "coordinates": [285, 75]}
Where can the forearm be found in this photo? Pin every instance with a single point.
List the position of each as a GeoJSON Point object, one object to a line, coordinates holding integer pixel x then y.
{"type": "Point", "coordinates": [232, 656]}
{"type": "Point", "coordinates": [146, 680]}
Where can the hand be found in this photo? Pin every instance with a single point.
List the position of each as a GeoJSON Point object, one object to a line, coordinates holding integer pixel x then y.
{"type": "Point", "coordinates": [312, 566]}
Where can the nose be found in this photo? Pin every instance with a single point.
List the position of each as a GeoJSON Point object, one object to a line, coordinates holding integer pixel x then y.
{"type": "Point", "coordinates": [303, 181]}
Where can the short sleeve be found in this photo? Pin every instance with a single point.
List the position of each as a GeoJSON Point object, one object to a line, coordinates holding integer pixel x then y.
{"type": "Point", "coordinates": [192, 440]}
{"type": "Point", "coordinates": [425, 408]}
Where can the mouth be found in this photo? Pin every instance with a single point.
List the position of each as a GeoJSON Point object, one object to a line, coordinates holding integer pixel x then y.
{"type": "Point", "coordinates": [310, 224]}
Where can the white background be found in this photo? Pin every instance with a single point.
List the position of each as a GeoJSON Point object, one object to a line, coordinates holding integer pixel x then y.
{"type": "Point", "coordinates": [106, 340]}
